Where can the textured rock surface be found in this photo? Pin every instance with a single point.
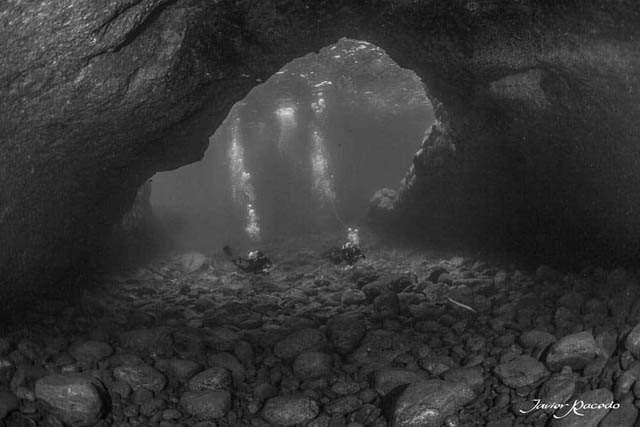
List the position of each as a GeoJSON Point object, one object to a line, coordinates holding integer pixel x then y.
{"type": "Point", "coordinates": [208, 405]}
{"type": "Point", "coordinates": [74, 399]}
{"type": "Point", "coordinates": [290, 410]}
{"type": "Point", "coordinates": [536, 131]}
{"type": "Point", "coordinates": [428, 403]}
{"type": "Point", "coordinates": [521, 372]}
{"type": "Point", "coordinates": [426, 373]}
{"type": "Point", "coordinates": [573, 350]}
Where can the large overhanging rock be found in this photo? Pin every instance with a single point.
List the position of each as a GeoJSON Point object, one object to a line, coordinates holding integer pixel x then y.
{"type": "Point", "coordinates": [541, 104]}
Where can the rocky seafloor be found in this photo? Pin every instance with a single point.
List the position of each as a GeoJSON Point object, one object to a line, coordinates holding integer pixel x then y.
{"type": "Point", "coordinates": [404, 338]}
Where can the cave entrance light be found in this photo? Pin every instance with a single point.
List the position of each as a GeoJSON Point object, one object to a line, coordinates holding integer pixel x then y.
{"type": "Point", "coordinates": [310, 146]}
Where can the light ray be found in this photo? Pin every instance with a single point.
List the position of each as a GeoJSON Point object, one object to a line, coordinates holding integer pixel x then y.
{"type": "Point", "coordinates": [242, 190]}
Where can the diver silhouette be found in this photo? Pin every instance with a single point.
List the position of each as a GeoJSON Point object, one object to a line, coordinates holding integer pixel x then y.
{"type": "Point", "coordinates": [256, 262]}
{"type": "Point", "coordinates": [350, 252]}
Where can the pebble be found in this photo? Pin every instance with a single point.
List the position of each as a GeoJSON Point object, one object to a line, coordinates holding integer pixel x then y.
{"type": "Point", "coordinates": [148, 341]}
{"type": "Point", "coordinates": [632, 343]}
{"type": "Point", "coordinates": [290, 410]}
{"type": "Point", "coordinates": [345, 331]}
{"type": "Point", "coordinates": [379, 348]}
{"type": "Point", "coordinates": [140, 376]}
{"type": "Point", "coordinates": [208, 404]}
{"type": "Point", "coordinates": [343, 405]}
{"type": "Point", "coordinates": [521, 372]}
{"type": "Point", "coordinates": [230, 362]}
{"type": "Point", "coordinates": [180, 369]}
{"type": "Point", "coordinates": [353, 297]}
{"type": "Point", "coordinates": [313, 364]}
{"type": "Point", "coordinates": [90, 352]}
{"type": "Point", "coordinates": [211, 379]}
{"type": "Point", "coordinates": [301, 341]}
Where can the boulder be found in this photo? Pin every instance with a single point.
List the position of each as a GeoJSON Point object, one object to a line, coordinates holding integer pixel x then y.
{"type": "Point", "coordinates": [74, 399]}
{"type": "Point", "coordinates": [427, 403]}
{"type": "Point", "coordinates": [211, 379]}
{"type": "Point", "coordinates": [574, 350]}
{"type": "Point", "coordinates": [521, 372]}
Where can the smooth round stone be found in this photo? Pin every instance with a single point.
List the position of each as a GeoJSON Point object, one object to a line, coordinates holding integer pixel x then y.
{"type": "Point", "coordinates": [211, 379]}
{"type": "Point", "coordinates": [228, 361]}
{"type": "Point", "coordinates": [290, 410]}
{"type": "Point", "coordinates": [299, 342]}
{"type": "Point", "coordinates": [152, 407]}
{"type": "Point", "coordinates": [574, 350]}
{"type": "Point", "coordinates": [90, 352]}
{"type": "Point", "coordinates": [344, 388]}
{"type": "Point", "coordinates": [521, 372]}
{"type": "Point", "coordinates": [171, 414]}
{"type": "Point", "coordinates": [427, 403]}
{"type": "Point", "coordinates": [74, 399]}
{"type": "Point", "coordinates": [346, 331]}
{"type": "Point", "coordinates": [386, 305]}
{"type": "Point", "coordinates": [180, 369]}
{"type": "Point", "coordinates": [207, 405]}
{"type": "Point", "coordinates": [312, 364]}
{"type": "Point", "coordinates": [632, 342]}
{"type": "Point", "coordinates": [141, 376]}
{"type": "Point", "coordinates": [343, 405]}
{"type": "Point", "coordinates": [380, 348]}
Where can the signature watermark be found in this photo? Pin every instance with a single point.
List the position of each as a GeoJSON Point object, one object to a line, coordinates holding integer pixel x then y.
{"type": "Point", "coordinates": [578, 407]}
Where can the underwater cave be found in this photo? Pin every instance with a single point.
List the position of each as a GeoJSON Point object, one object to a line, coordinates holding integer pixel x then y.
{"type": "Point", "coordinates": [302, 153]}
{"type": "Point", "coordinates": [334, 213]}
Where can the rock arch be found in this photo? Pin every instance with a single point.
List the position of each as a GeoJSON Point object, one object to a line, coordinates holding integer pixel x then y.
{"type": "Point", "coordinates": [541, 103]}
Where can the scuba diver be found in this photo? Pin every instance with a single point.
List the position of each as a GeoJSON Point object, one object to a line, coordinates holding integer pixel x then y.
{"type": "Point", "coordinates": [256, 262]}
{"type": "Point", "coordinates": [350, 252]}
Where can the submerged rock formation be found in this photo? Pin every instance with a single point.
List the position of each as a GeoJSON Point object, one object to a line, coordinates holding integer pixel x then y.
{"type": "Point", "coordinates": [540, 99]}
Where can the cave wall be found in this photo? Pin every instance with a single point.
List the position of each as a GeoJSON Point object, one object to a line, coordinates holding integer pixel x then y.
{"type": "Point", "coordinates": [95, 97]}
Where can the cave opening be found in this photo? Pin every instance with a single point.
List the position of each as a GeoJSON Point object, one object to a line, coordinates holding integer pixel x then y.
{"type": "Point", "coordinates": [533, 149]}
{"type": "Point", "coordinates": [302, 153]}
